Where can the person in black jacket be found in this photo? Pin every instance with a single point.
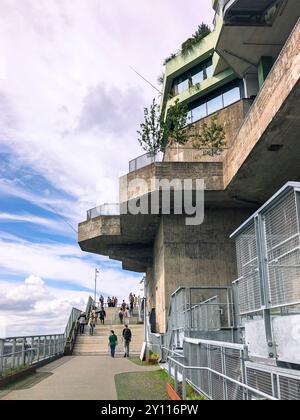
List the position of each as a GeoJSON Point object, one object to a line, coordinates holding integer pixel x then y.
{"type": "Point", "coordinates": [127, 337]}
{"type": "Point", "coordinates": [102, 316]}
{"type": "Point", "coordinates": [82, 322]}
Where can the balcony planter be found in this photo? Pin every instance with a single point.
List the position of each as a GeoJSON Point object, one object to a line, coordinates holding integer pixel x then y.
{"type": "Point", "coordinates": [17, 376]}
{"type": "Point", "coordinates": [172, 393]}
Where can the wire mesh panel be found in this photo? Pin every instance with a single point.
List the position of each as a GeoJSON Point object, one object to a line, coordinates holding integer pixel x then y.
{"type": "Point", "coordinates": [233, 362]}
{"type": "Point", "coordinates": [249, 289]}
{"type": "Point", "coordinates": [260, 380]}
{"type": "Point", "coordinates": [204, 376]}
{"type": "Point", "coordinates": [283, 251]}
{"type": "Point", "coordinates": [207, 315]}
{"type": "Point", "coordinates": [289, 388]}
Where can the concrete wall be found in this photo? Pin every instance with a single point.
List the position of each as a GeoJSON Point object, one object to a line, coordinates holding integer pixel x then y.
{"type": "Point", "coordinates": [193, 256]}
{"type": "Point", "coordinates": [279, 84]}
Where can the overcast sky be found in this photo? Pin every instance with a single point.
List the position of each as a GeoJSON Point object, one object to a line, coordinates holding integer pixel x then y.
{"type": "Point", "coordinates": [69, 109]}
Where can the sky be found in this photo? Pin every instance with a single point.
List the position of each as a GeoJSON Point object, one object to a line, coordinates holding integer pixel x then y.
{"type": "Point", "coordinates": [70, 106]}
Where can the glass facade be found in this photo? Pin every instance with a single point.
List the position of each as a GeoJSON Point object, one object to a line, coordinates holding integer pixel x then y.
{"type": "Point", "coordinates": [225, 96]}
{"type": "Point", "coordinates": [196, 75]}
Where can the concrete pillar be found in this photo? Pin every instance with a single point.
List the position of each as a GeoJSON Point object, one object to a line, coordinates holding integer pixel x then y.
{"type": "Point", "coordinates": [189, 256]}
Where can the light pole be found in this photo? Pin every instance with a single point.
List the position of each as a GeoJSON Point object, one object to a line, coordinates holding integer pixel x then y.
{"type": "Point", "coordinates": [95, 295]}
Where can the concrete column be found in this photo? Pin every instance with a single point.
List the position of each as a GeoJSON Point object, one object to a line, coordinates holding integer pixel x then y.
{"type": "Point", "coordinates": [191, 256]}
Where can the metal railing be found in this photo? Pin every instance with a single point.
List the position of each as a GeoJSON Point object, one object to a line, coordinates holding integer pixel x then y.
{"type": "Point", "coordinates": [268, 257]}
{"type": "Point", "coordinates": [106, 209]}
{"type": "Point", "coordinates": [17, 353]}
{"type": "Point", "coordinates": [221, 382]}
{"type": "Point", "coordinates": [220, 371]}
{"type": "Point", "coordinates": [199, 309]}
{"type": "Point", "coordinates": [178, 154]}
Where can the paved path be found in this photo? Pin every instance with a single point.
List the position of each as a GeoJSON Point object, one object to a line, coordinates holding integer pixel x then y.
{"type": "Point", "coordinates": [78, 378]}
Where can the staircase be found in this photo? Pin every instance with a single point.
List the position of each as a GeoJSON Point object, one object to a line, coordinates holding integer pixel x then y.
{"type": "Point", "coordinates": [97, 345]}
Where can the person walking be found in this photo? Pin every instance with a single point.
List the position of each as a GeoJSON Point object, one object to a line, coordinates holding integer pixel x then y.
{"type": "Point", "coordinates": [121, 315]}
{"type": "Point", "coordinates": [91, 325]}
{"type": "Point", "coordinates": [126, 337]}
{"type": "Point", "coordinates": [123, 305]}
{"type": "Point", "coordinates": [82, 322]}
{"type": "Point", "coordinates": [112, 343]}
{"type": "Point", "coordinates": [126, 316]}
{"type": "Point", "coordinates": [101, 301]}
{"type": "Point", "coordinates": [102, 316]}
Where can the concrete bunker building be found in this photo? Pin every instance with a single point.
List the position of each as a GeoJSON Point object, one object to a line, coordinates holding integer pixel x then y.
{"type": "Point", "coordinates": [246, 74]}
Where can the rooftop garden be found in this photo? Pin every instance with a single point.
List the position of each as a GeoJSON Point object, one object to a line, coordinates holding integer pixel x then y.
{"type": "Point", "coordinates": [188, 46]}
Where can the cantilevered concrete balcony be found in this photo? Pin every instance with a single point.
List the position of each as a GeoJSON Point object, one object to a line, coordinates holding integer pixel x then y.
{"type": "Point", "coordinates": [253, 29]}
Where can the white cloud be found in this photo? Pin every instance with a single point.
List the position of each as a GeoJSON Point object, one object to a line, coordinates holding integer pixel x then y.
{"type": "Point", "coordinates": [55, 226]}
{"type": "Point", "coordinates": [31, 307]}
{"type": "Point", "coordinates": [64, 263]}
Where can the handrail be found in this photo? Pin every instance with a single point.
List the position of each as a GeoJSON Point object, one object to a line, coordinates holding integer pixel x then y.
{"type": "Point", "coordinates": [221, 375]}
{"type": "Point", "coordinates": [172, 154]}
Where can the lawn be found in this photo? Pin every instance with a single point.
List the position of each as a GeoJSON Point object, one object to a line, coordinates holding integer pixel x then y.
{"type": "Point", "coordinates": [149, 386]}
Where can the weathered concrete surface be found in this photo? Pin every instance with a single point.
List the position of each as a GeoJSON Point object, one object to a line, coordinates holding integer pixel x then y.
{"type": "Point", "coordinates": [250, 168]}
{"type": "Point", "coordinates": [79, 378]}
{"type": "Point", "coordinates": [192, 256]}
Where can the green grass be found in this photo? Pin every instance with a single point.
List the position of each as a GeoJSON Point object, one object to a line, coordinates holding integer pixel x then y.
{"type": "Point", "coordinates": [137, 361]}
{"type": "Point", "coordinates": [149, 386]}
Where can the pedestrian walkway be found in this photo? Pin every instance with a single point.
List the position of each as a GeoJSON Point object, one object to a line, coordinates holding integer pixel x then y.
{"type": "Point", "coordinates": [78, 378]}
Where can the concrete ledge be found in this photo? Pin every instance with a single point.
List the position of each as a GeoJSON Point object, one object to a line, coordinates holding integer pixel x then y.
{"type": "Point", "coordinates": [7, 380]}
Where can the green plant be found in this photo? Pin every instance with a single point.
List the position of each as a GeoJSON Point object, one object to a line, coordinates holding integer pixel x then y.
{"type": "Point", "coordinates": [170, 58]}
{"type": "Point", "coordinates": [161, 79]}
{"type": "Point", "coordinates": [212, 137]}
{"type": "Point", "coordinates": [156, 134]}
{"type": "Point", "coordinates": [176, 129]}
{"type": "Point", "coordinates": [151, 133]}
{"type": "Point", "coordinates": [13, 371]}
{"type": "Point", "coordinates": [193, 395]}
{"type": "Point", "coordinates": [202, 31]}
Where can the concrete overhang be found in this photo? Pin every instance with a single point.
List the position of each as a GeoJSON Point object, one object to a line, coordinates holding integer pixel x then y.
{"type": "Point", "coordinates": [242, 46]}
{"type": "Point", "coordinates": [266, 151]}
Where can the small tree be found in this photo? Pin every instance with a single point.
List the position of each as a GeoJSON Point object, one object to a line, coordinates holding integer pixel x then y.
{"type": "Point", "coordinates": [156, 134]}
{"type": "Point", "coordinates": [176, 124]}
{"type": "Point", "coordinates": [212, 137]}
{"type": "Point", "coordinates": [151, 133]}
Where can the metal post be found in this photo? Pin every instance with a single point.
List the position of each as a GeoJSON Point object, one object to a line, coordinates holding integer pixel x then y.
{"type": "Point", "coordinates": [1, 357]}
{"type": "Point", "coordinates": [176, 377]}
{"type": "Point", "coordinates": [224, 373]}
{"type": "Point", "coordinates": [183, 384]}
{"type": "Point", "coordinates": [13, 353]}
{"type": "Point", "coordinates": [38, 349]}
{"type": "Point", "coordinates": [264, 276]}
{"type": "Point", "coordinates": [44, 349]}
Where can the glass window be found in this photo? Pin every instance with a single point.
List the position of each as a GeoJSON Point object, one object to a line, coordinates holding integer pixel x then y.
{"type": "Point", "coordinates": [231, 96]}
{"type": "Point", "coordinates": [199, 112]}
{"type": "Point", "coordinates": [209, 72]}
{"type": "Point", "coordinates": [215, 104]}
{"type": "Point", "coordinates": [183, 86]}
{"type": "Point", "coordinates": [198, 77]}
{"type": "Point", "coordinates": [189, 119]}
